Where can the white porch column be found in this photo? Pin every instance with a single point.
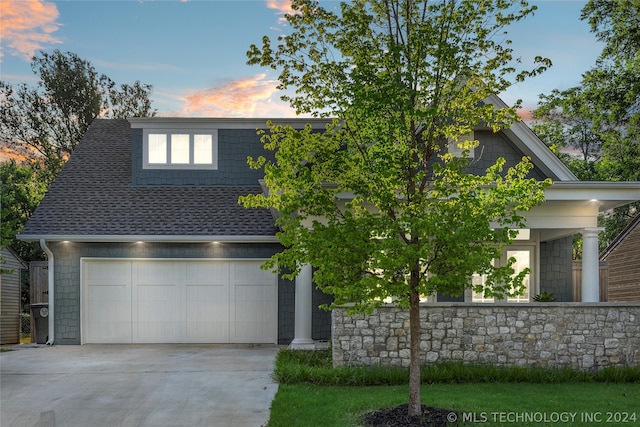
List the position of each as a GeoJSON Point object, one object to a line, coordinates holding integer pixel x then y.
{"type": "Point", "coordinates": [590, 265]}
{"type": "Point", "coordinates": [302, 329]}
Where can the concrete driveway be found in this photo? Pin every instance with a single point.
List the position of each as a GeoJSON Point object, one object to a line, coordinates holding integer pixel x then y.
{"type": "Point", "coordinates": [137, 385]}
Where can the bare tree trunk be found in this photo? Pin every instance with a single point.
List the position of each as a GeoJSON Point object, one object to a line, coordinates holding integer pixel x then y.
{"type": "Point", "coordinates": [415, 408]}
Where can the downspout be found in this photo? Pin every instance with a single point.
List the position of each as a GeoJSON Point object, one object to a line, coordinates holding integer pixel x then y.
{"type": "Point", "coordinates": [45, 248]}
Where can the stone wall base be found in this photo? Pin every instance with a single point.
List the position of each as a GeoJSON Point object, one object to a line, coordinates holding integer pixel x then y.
{"type": "Point", "coordinates": [576, 335]}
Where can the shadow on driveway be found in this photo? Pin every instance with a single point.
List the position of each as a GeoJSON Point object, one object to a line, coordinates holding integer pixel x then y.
{"type": "Point", "coordinates": [137, 385]}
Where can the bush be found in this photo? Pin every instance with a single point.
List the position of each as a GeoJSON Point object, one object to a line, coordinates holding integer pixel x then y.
{"type": "Point", "coordinates": [316, 367]}
{"type": "Point", "coordinates": [25, 323]}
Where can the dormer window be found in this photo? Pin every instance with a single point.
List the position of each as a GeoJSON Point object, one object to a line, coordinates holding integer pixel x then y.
{"type": "Point", "coordinates": [456, 147]}
{"type": "Point", "coordinates": [180, 149]}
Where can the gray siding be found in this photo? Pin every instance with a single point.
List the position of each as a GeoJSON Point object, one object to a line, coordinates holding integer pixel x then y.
{"type": "Point", "coordinates": [67, 276]}
{"type": "Point", "coordinates": [556, 275]}
{"type": "Point", "coordinates": [10, 298]}
{"type": "Point", "coordinates": [234, 147]}
{"type": "Point", "coordinates": [495, 145]}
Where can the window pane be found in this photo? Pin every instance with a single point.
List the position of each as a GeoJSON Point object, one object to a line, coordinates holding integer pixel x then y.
{"type": "Point", "coordinates": [479, 279]}
{"type": "Point", "coordinates": [202, 150]}
{"type": "Point", "coordinates": [522, 262]}
{"type": "Point", "coordinates": [157, 148]}
{"type": "Point", "coordinates": [180, 149]}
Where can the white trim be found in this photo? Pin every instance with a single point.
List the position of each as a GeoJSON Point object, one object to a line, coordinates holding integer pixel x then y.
{"type": "Point", "coordinates": [51, 289]}
{"type": "Point", "coordinates": [196, 123]}
{"type": "Point", "coordinates": [168, 164]}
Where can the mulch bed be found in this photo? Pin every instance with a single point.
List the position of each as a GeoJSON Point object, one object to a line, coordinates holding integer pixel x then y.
{"type": "Point", "coordinates": [399, 417]}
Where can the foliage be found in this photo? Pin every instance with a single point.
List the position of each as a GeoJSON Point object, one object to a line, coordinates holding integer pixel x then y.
{"type": "Point", "coordinates": [544, 297]}
{"type": "Point", "coordinates": [315, 367]}
{"type": "Point", "coordinates": [601, 116]}
{"type": "Point", "coordinates": [570, 126]}
{"type": "Point", "coordinates": [21, 192]}
{"type": "Point", "coordinates": [375, 203]}
{"type": "Point", "coordinates": [49, 119]}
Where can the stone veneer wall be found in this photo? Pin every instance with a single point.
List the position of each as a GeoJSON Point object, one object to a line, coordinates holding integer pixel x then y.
{"type": "Point", "coordinates": [577, 335]}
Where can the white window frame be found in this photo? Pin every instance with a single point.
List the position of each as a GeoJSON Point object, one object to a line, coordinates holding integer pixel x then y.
{"type": "Point", "coordinates": [534, 267]}
{"type": "Point", "coordinates": [454, 146]}
{"type": "Point", "coordinates": [191, 165]}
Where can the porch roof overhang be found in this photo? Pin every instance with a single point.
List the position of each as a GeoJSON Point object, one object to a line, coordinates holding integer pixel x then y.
{"type": "Point", "coordinates": [605, 194]}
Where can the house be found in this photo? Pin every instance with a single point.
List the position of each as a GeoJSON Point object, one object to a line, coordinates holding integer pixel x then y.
{"type": "Point", "coordinates": [147, 243]}
{"type": "Point", "coordinates": [623, 259]}
{"type": "Point", "coordinates": [10, 306]}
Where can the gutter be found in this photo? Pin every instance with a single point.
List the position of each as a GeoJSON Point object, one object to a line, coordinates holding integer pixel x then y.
{"type": "Point", "coordinates": [148, 238]}
{"type": "Point", "coordinates": [50, 260]}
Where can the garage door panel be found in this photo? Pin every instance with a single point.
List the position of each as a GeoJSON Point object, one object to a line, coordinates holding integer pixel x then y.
{"type": "Point", "coordinates": [207, 313]}
{"type": "Point", "coordinates": [107, 302]}
{"type": "Point", "coordinates": [207, 273]}
{"type": "Point", "coordinates": [253, 303]}
{"type": "Point", "coordinates": [254, 316]}
{"type": "Point", "coordinates": [157, 273]}
{"type": "Point", "coordinates": [159, 313]}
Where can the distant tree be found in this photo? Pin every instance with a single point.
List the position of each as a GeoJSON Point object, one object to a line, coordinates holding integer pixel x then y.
{"type": "Point", "coordinates": [601, 116]}
{"type": "Point", "coordinates": [402, 79]}
{"type": "Point", "coordinates": [614, 82]}
{"type": "Point", "coordinates": [20, 192]}
{"type": "Point", "coordinates": [568, 123]}
{"type": "Point", "coordinates": [50, 118]}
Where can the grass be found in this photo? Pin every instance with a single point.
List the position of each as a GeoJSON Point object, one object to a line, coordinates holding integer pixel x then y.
{"type": "Point", "coordinates": [313, 393]}
{"type": "Point", "coordinates": [314, 405]}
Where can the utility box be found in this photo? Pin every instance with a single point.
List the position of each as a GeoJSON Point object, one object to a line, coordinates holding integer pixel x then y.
{"type": "Point", "coordinates": [40, 316]}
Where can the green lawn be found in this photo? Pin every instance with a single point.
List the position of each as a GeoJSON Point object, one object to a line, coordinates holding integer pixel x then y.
{"type": "Point", "coordinates": [313, 393]}
{"type": "Point", "coordinates": [486, 404]}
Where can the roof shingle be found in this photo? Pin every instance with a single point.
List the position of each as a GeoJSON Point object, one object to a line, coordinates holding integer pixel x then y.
{"type": "Point", "coordinates": [93, 196]}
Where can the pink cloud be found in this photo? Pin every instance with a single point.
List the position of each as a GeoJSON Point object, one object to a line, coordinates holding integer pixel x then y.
{"type": "Point", "coordinates": [525, 115]}
{"type": "Point", "coordinates": [27, 26]}
{"type": "Point", "coordinates": [247, 97]}
{"type": "Point", "coordinates": [282, 6]}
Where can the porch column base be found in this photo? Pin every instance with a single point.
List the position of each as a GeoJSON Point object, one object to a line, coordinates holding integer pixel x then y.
{"type": "Point", "coordinates": [302, 345]}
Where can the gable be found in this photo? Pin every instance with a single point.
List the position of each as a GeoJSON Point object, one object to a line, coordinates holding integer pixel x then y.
{"type": "Point", "coordinates": [495, 145]}
{"type": "Point", "coordinates": [627, 242]}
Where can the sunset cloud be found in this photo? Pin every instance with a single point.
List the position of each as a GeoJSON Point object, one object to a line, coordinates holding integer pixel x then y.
{"type": "Point", "coordinates": [282, 6]}
{"type": "Point", "coordinates": [525, 114]}
{"type": "Point", "coordinates": [26, 26]}
{"type": "Point", "coordinates": [248, 97]}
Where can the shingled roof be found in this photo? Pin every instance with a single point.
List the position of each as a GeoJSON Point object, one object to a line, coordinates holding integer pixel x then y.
{"type": "Point", "coordinates": [93, 197]}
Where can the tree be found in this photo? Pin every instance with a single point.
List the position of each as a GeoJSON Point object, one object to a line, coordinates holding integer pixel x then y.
{"type": "Point", "coordinates": [401, 79]}
{"type": "Point", "coordinates": [20, 192]}
{"type": "Point", "coordinates": [51, 118]}
{"type": "Point", "coordinates": [569, 125]}
{"type": "Point", "coordinates": [601, 116]}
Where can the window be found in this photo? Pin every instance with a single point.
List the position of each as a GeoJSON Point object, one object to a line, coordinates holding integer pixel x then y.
{"type": "Point", "coordinates": [157, 148]}
{"type": "Point", "coordinates": [523, 260]}
{"type": "Point", "coordinates": [523, 255]}
{"type": "Point", "coordinates": [180, 150]}
{"type": "Point", "coordinates": [479, 279]}
{"type": "Point", "coordinates": [456, 150]}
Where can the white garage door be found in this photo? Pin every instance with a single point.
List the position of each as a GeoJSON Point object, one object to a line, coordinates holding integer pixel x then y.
{"type": "Point", "coordinates": [159, 301]}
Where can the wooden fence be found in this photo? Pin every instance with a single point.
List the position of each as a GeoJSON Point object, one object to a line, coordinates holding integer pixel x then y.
{"type": "Point", "coordinates": [577, 281]}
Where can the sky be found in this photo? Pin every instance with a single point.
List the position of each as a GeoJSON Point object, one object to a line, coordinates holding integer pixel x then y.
{"type": "Point", "coordinates": [193, 52]}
